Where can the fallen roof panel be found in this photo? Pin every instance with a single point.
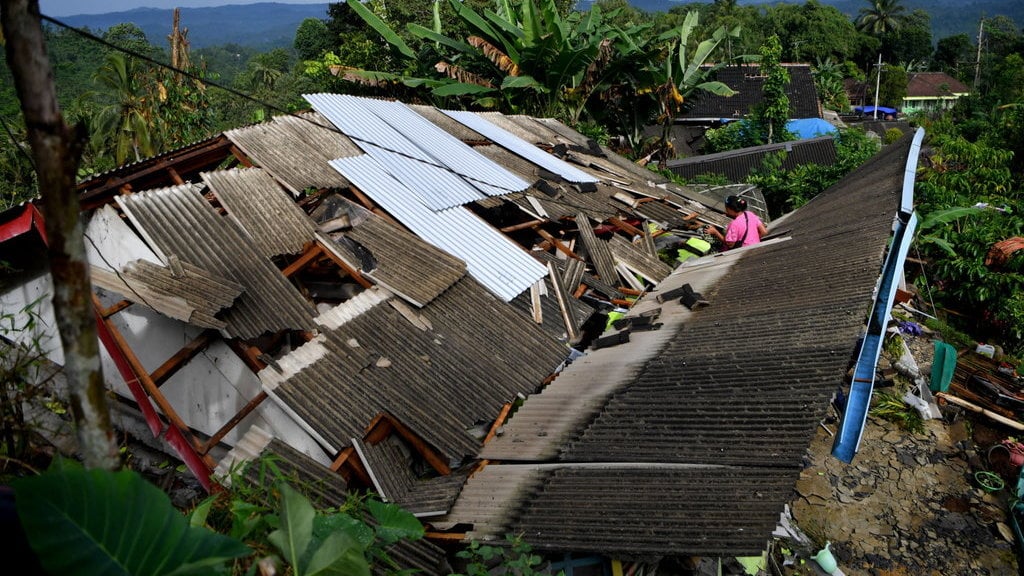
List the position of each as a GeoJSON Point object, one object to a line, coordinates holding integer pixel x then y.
{"type": "Point", "coordinates": [391, 131]}
{"type": "Point", "coordinates": [406, 265]}
{"type": "Point", "coordinates": [491, 257]}
{"type": "Point", "coordinates": [274, 222]}
{"type": "Point", "coordinates": [743, 382]}
{"type": "Point", "coordinates": [525, 149]}
{"type": "Point", "coordinates": [440, 377]}
{"type": "Point", "coordinates": [295, 150]}
{"type": "Point", "coordinates": [178, 221]}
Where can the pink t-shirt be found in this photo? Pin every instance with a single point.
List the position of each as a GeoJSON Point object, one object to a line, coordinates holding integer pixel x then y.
{"type": "Point", "coordinates": [734, 231]}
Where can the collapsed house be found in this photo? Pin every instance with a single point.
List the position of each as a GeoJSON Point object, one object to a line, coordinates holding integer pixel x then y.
{"type": "Point", "coordinates": [405, 299]}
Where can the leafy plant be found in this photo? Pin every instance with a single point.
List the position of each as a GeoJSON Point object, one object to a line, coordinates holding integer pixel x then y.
{"type": "Point", "coordinates": [514, 557]}
{"type": "Point", "coordinates": [268, 508]}
{"type": "Point", "coordinates": [95, 521]}
{"type": "Point", "coordinates": [892, 408]}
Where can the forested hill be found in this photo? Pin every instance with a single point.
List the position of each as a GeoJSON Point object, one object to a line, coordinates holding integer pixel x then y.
{"type": "Point", "coordinates": [264, 25]}
{"type": "Point", "coordinates": [270, 25]}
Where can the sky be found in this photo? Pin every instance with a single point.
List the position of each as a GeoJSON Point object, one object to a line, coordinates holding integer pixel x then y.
{"type": "Point", "coordinates": [57, 8]}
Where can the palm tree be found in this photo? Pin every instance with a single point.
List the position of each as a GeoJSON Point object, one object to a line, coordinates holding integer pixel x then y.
{"type": "Point", "coordinates": [881, 17]}
{"type": "Point", "coordinates": [128, 122]}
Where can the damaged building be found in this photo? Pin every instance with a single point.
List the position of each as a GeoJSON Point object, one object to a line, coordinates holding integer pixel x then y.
{"type": "Point", "coordinates": [415, 301]}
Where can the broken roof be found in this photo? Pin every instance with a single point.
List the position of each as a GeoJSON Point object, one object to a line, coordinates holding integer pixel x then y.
{"type": "Point", "coordinates": [449, 313]}
{"type": "Point", "coordinates": [692, 435]}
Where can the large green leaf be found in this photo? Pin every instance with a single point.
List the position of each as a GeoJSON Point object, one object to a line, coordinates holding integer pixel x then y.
{"type": "Point", "coordinates": [428, 34]}
{"type": "Point", "coordinates": [394, 523]}
{"type": "Point", "coordinates": [381, 27]}
{"type": "Point", "coordinates": [91, 522]}
{"type": "Point", "coordinates": [460, 89]}
{"type": "Point", "coordinates": [338, 553]}
{"type": "Point", "coordinates": [294, 536]}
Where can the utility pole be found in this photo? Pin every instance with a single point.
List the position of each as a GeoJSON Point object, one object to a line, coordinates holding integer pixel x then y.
{"type": "Point", "coordinates": [878, 81]}
{"type": "Point", "coordinates": [977, 60]}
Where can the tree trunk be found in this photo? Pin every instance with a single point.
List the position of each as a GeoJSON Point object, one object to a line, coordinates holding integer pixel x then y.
{"type": "Point", "coordinates": [57, 149]}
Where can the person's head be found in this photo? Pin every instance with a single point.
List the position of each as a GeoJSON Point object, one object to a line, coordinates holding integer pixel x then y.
{"type": "Point", "coordinates": [735, 204]}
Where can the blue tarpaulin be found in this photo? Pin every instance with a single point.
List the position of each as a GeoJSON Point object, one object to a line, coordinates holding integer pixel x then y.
{"type": "Point", "coordinates": [810, 128]}
{"type": "Point", "coordinates": [871, 110]}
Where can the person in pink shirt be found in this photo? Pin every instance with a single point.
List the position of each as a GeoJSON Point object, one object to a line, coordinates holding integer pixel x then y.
{"type": "Point", "coordinates": [745, 229]}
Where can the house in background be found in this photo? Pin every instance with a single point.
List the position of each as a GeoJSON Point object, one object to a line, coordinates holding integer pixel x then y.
{"type": "Point", "coordinates": [932, 92]}
{"type": "Point", "coordinates": [708, 110]}
{"type": "Point", "coordinates": [926, 92]}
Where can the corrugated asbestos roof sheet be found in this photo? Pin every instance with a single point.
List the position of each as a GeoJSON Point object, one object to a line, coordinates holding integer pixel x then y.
{"type": "Point", "coordinates": [389, 465]}
{"type": "Point", "coordinates": [491, 257]}
{"type": "Point", "coordinates": [179, 290]}
{"type": "Point", "coordinates": [525, 149]}
{"type": "Point", "coordinates": [272, 220]}
{"type": "Point", "coordinates": [737, 165]}
{"type": "Point", "coordinates": [179, 222]}
{"type": "Point", "coordinates": [748, 82]}
{"type": "Point", "coordinates": [406, 265]}
{"type": "Point", "coordinates": [741, 383]}
{"type": "Point", "coordinates": [441, 169]}
{"type": "Point", "coordinates": [325, 488]}
{"type": "Point", "coordinates": [295, 150]}
{"type": "Point", "coordinates": [451, 367]}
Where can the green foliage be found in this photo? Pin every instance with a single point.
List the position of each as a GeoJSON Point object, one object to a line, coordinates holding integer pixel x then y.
{"type": "Point", "coordinates": [785, 190]}
{"type": "Point", "coordinates": [892, 135]}
{"type": "Point", "coordinates": [892, 86]}
{"type": "Point", "coordinates": [772, 113]}
{"type": "Point", "coordinates": [972, 178]}
{"type": "Point", "coordinates": [271, 510]}
{"type": "Point", "coordinates": [513, 557]}
{"type": "Point", "coordinates": [892, 408]}
{"type": "Point", "coordinates": [23, 380]}
{"type": "Point", "coordinates": [89, 522]}
{"type": "Point", "coordinates": [828, 79]}
{"type": "Point", "coordinates": [311, 39]}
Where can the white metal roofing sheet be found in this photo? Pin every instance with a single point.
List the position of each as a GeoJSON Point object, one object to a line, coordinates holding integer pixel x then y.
{"type": "Point", "coordinates": [440, 168]}
{"type": "Point", "coordinates": [492, 258]}
{"type": "Point", "coordinates": [521, 147]}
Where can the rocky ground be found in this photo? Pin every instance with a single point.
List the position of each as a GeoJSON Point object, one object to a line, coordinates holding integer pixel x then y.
{"type": "Point", "coordinates": [909, 503]}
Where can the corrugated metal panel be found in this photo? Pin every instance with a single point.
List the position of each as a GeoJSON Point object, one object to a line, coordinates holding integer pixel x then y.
{"type": "Point", "coordinates": [443, 170]}
{"type": "Point", "coordinates": [390, 467]}
{"type": "Point", "coordinates": [598, 250]}
{"type": "Point", "coordinates": [722, 429]}
{"type": "Point", "coordinates": [295, 150]}
{"type": "Point", "coordinates": [491, 257]}
{"type": "Point", "coordinates": [274, 222]}
{"type": "Point", "coordinates": [524, 149]}
{"type": "Point", "coordinates": [447, 124]}
{"type": "Point", "coordinates": [179, 221]}
{"type": "Point", "coordinates": [437, 187]}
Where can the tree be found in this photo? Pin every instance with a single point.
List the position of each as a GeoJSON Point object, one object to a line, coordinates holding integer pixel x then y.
{"type": "Point", "coordinates": [911, 41]}
{"type": "Point", "coordinates": [56, 149]}
{"type": "Point", "coordinates": [772, 112]}
{"type": "Point", "coordinates": [880, 17]}
{"type": "Point", "coordinates": [954, 55]}
{"type": "Point", "coordinates": [127, 123]}
{"type": "Point", "coordinates": [810, 29]}
{"type": "Point", "coordinates": [892, 86]}
{"type": "Point", "coordinates": [312, 39]}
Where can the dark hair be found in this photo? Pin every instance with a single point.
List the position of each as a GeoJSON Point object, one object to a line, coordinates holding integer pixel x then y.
{"type": "Point", "coordinates": [736, 203]}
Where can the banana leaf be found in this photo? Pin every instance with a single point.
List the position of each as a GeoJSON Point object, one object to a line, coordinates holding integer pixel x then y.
{"type": "Point", "coordinates": [87, 522]}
